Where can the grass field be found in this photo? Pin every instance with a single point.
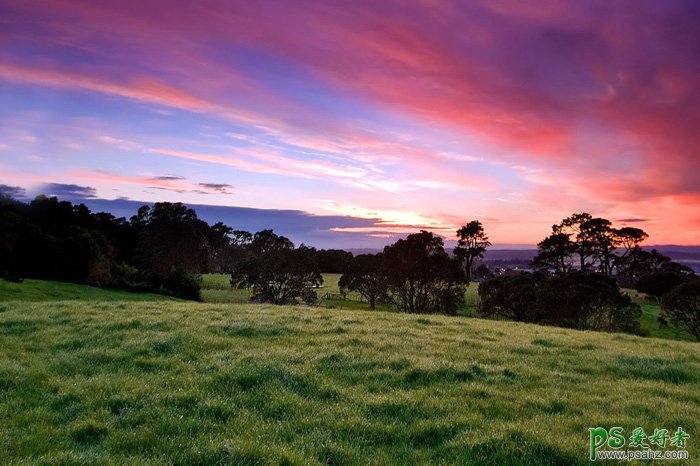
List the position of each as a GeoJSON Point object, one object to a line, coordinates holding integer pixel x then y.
{"type": "Point", "coordinates": [193, 383]}
{"type": "Point", "coordinates": [43, 290]}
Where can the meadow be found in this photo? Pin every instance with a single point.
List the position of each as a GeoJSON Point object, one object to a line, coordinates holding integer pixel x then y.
{"type": "Point", "coordinates": [174, 382]}
{"type": "Point", "coordinates": [45, 290]}
{"type": "Point", "coordinates": [217, 289]}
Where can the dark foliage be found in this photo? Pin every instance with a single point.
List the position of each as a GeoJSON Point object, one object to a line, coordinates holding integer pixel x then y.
{"type": "Point", "coordinates": [422, 277]}
{"type": "Point", "coordinates": [637, 264]}
{"type": "Point", "coordinates": [333, 260]}
{"type": "Point", "coordinates": [162, 249]}
{"type": "Point", "coordinates": [658, 284]}
{"type": "Point", "coordinates": [586, 301]}
{"type": "Point", "coordinates": [587, 243]}
{"type": "Point", "coordinates": [682, 306]}
{"type": "Point", "coordinates": [366, 275]}
{"type": "Point", "coordinates": [553, 253]}
{"type": "Point", "coordinates": [471, 245]}
{"type": "Point", "coordinates": [581, 300]}
{"type": "Point", "coordinates": [509, 296]}
{"type": "Point", "coordinates": [482, 272]}
{"type": "Point", "coordinates": [277, 273]}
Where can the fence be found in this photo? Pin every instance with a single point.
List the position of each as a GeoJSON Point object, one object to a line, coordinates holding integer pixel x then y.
{"type": "Point", "coordinates": [344, 297]}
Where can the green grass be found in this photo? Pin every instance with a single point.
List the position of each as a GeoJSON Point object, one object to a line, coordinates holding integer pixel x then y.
{"type": "Point", "coordinates": [191, 383]}
{"type": "Point", "coordinates": [44, 290]}
{"type": "Point", "coordinates": [649, 323]}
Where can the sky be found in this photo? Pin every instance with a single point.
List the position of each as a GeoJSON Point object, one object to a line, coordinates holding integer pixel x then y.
{"type": "Point", "coordinates": [350, 123]}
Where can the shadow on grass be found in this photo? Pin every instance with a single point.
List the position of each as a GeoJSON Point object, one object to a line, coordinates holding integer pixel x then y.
{"type": "Point", "coordinates": [515, 449]}
{"type": "Point", "coordinates": [634, 367]}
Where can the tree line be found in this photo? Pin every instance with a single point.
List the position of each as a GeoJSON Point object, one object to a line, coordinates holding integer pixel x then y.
{"type": "Point", "coordinates": [576, 280]}
{"type": "Point", "coordinates": [163, 248]}
{"type": "Point", "coordinates": [578, 270]}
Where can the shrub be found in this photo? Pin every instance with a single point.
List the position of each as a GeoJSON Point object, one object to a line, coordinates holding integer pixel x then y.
{"type": "Point", "coordinates": [682, 306]}
{"type": "Point", "coordinates": [512, 297]}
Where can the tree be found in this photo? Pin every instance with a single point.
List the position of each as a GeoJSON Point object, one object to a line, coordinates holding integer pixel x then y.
{"type": "Point", "coordinates": [366, 275]}
{"type": "Point", "coordinates": [277, 273]}
{"type": "Point", "coordinates": [638, 263]}
{"type": "Point", "coordinates": [422, 277]}
{"type": "Point", "coordinates": [482, 272]}
{"type": "Point", "coordinates": [333, 260]}
{"type": "Point", "coordinates": [586, 301]}
{"type": "Point", "coordinates": [597, 236]}
{"type": "Point", "coordinates": [471, 244]}
{"type": "Point", "coordinates": [658, 284]}
{"type": "Point", "coordinates": [553, 253]}
{"type": "Point", "coordinates": [266, 240]}
{"type": "Point", "coordinates": [682, 306]}
{"type": "Point", "coordinates": [630, 238]}
{"type": "Point", "coordinates": [509, 296]}
{"type": "Point", "coordinates": [170, 235]}
{"type": "Point", "coordinates": [218, 248]}
{"type": "Point", "coordinates": [571, 225]}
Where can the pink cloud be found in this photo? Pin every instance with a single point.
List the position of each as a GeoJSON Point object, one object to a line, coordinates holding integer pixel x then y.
{"type": "Point", "coordinates": [577, 111]}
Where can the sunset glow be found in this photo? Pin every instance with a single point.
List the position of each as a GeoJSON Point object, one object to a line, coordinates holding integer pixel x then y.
{"type": "Point", "coordinates": [411, 115]}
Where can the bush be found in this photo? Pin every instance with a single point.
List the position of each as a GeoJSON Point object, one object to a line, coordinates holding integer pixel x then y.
{"type": "Point", "coordinates": [511, 296]}
{"type": "Point", "coordinates": [585, 301]}
{"type": "Point", "coordinates": [309, 296]}
{"type": "Point", "coordinates": [657, 284]}
{"type": "Point", "coordinates": [182, 284]}
{"type": "Point", "coordinates": [278, 275]}
{"type": "Point", "coordinates": [682, 306]}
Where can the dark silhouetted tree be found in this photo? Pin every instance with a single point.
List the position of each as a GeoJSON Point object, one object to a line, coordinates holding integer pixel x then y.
{"type": "Point", "coordinates": [471, 244]}
{"type": "Point", "coordinates": [571, 226]}
{"type": "Point", "coordinates": [267, 240]}
{"type": "Point", "coordinates": [554, 252]}
{"type": "Point", "coordinates": [658, 284]}
{"type": "Point", "coordinates": [586, 301]}
{"type": "Point", "coordinates": [629, 238]}
{"type": "Point", "coordinates": [333, 260]}
{"type": "Point", "coordinates": [682, 306]}
{"type": "Point", "coordinates": [421, 275]}
{"type": "Point", "coordinates": [170, 235]}
{"type": "Point", "coordinates": [598, 237]}
{"type": "Point", "coordinates": [509, 296]}
{"type": "Point", "coordinates": [366, 275]}
{"type": "Point", "coordinates": [277, 273]}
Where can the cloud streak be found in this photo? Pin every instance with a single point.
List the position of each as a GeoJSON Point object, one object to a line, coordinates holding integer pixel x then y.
{"type": "Point", "coordinates": [482, 109]}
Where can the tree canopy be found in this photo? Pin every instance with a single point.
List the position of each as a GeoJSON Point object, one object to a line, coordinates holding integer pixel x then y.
{"type": "Point", "coordinates": [422, 277]}
{"type": "Point", "coordinates": [366, 275]}
{"type": "Point", "coordinates": [682, 306]}
{"type": "Point", "coordinates": [472, 242]}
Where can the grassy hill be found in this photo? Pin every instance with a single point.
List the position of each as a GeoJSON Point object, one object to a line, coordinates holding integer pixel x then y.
{"type": "Point", "coordinates": [44, 290]}
{"type": "Point", "coordinates": [217, 289]}
{"type": "Point", "coordinates": [191, 383]}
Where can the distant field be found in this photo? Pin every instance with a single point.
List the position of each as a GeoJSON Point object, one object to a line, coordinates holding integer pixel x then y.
{"type": "Point", "coordinates": [190, 383]}
{"type": "Point", "coordinates": [216, 288]}
{"type": "Point", "coordinates": [43, 290]}
{"type": "Point", "coordinates": [649, 322]}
